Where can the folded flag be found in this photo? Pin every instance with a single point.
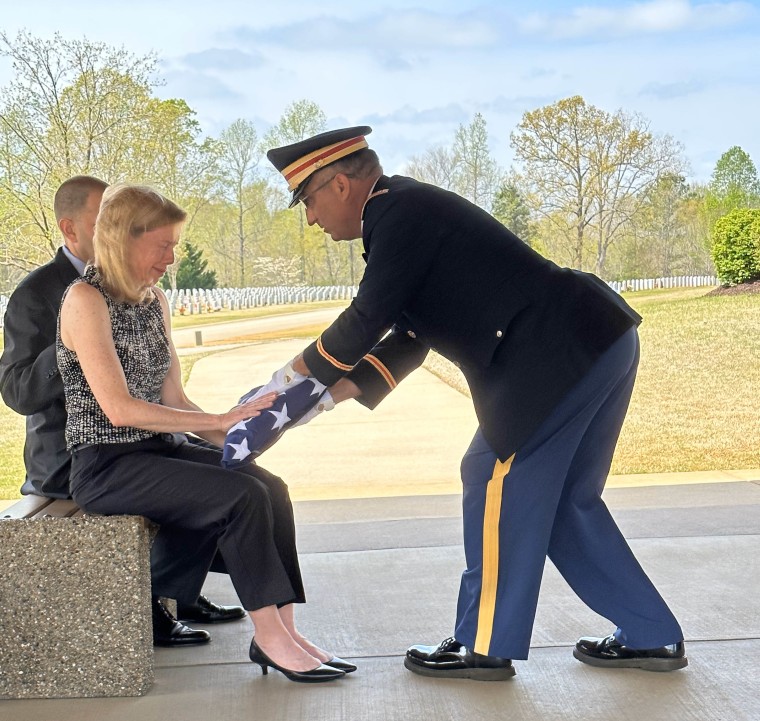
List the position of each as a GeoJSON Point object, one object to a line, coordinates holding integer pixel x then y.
{"type": "Point", "coordinates": [251, 437]}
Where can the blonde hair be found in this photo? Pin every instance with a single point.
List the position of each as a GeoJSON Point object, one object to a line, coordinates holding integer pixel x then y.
{"type": "Point", "coordinates": [126, 212]}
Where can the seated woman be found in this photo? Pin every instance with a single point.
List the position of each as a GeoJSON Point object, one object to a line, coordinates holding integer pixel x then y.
{"type": "Point", "coordinates": [126, 406]}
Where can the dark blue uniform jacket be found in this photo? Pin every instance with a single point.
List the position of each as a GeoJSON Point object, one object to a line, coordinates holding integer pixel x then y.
{"type": "Point", "coordinates": [444, 274]}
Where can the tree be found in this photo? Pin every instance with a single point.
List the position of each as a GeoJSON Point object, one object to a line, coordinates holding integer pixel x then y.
{"type": "Point", "coordinates": [191, 270]}
{"type": "Point", "coordinates": [736, 246]}
{"type": "Point", "coordinates": [587, 172]}
{"type": "Point", "coordinates": [734, 182]}
{"type": "Point", "coordinates": [437, 165]}
{"type": "Point", "coordinates": [477, 175]}
{"type": "Point", "coordinates": [78, 107]}
{"type": "Point", "coordinates": [511, 210]}
{"type": "Point", "coordinates": [239, 160]}
{"type": "Point", "coordinates": [301, 120]}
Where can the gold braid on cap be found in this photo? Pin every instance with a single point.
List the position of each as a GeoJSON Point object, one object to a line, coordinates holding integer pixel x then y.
{"type": "Point", "coordinates": [297, 172]}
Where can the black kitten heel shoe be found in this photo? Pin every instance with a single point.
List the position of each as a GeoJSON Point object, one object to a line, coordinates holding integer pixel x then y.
{"type": "Point", "coordinates": [341, 665]}
{"type": "Point", "coordinates": [316, 675]}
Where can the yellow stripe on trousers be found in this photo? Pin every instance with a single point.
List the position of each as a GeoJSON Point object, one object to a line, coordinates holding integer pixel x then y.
{"type": "Point", "coordinates": [490, 575]}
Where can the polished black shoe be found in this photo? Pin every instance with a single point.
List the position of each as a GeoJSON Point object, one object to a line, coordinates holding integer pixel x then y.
{"type": "Point", "coordinates": [204, 611]}
{"type": "Point", "coordinates": [341, 665]}
{"type": "Point", "coordinates": [316, 675]}
{"type": "Point", "coordinates": [168, 631]}
{"type": "Point", "coordinates": [450, 659]}
{"type": "Point", "coordinates": [608, 652]}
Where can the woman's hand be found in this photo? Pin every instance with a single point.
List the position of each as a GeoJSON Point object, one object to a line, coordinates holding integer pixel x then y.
{"type": "Point", "coordinates": [249, 409]}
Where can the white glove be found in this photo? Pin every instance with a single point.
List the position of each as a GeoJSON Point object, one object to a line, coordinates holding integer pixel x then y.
{"type": "Point", "coordinates": [326, 403]}
{"type": "Point", "coordinates": [282, 379]}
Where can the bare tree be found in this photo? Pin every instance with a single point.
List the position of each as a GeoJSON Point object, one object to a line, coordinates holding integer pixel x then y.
{"type": "Point", "coordinates": [437, 165]}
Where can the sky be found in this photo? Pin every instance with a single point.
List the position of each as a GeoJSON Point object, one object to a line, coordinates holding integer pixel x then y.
{"type": "Point", "coordinates": [415, 70]}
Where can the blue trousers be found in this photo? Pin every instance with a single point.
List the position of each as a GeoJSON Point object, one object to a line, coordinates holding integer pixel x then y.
{"type": "Point", "coordinates": [546, 501]}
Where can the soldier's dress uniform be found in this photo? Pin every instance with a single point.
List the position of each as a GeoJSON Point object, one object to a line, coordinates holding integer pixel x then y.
{"type": "Point", "coordinates": [550, 356]}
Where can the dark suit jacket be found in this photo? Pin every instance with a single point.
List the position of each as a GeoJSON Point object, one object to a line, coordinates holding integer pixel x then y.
{"type": "Point", "coordinates": [29, 379]}
{"type": "Point", "coordinates": [444, 274]}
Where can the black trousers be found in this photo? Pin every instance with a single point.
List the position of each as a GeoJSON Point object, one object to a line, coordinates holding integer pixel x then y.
{"type": "Point", "coordinates": [246, 514]}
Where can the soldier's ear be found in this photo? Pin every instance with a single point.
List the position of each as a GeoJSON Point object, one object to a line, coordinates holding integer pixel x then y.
{"type": "Point", "coordinates": [343, 185]}
{"type": "Point", "coordinates": [66, 226]}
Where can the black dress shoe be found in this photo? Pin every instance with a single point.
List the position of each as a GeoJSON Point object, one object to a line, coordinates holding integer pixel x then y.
{"type": "Point", "coordinates": [341, 665]}
{"type": "Point", "coordinates": [316, 675]}
{"type": "Point", "coordinates": [168, 631]}
{"type": "Point", "coordinates": [450, 659]}
{"type": "Point", "coordinates": [609, 652]}
{"type": "Point", "coordinates": [203, 611]}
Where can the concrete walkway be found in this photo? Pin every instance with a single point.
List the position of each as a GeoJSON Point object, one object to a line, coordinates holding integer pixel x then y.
{"type": "Point", "coordinates": [378, 511]}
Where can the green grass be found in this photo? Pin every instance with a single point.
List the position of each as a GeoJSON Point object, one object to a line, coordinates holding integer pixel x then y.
{"type": "Point", "coordinates": [229, 316]}
{"type": "Point", "coordinates": [694, 407]}
{"type": "Point", "coordinates": [695, 404]}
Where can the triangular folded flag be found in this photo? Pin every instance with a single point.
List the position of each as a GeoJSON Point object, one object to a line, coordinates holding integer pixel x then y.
{"type": "Point", "coordinates": [251, 437]}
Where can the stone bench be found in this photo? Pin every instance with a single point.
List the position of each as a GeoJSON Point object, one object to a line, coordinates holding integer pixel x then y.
{"type": "Point", "coordinates": [75, 618]}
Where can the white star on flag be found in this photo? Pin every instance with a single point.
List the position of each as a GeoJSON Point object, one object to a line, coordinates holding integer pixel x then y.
{"type": "Point", "coordinates": [241, 450]}
{"type": "Point", "coordinates": [239, 427]}
{"type": "Point", "coordinates": [281, 416]}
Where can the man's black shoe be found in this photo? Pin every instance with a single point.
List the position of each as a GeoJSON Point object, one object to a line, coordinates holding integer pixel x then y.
{"type": "Point", "coordinates": [204, 611]}
{"type": "Point", "coordinates": [610, 653]}
{"type": "Point", "coordinates": [168, 631]}
{"type": "Point", "coordinates": [450, 659]}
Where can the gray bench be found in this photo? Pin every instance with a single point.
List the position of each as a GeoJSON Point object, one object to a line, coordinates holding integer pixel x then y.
{"type": "Point", "coordinates": [75, 617]}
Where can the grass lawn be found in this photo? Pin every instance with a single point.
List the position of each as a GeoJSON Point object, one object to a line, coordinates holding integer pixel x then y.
{"type": "Point", "coordinates": [694, 406]}
{"type": "Point", "coordinates": [228, 316]}
{"type": "Point", "coordinates": [695, 403]}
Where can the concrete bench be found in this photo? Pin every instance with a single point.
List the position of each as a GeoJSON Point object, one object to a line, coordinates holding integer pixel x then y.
{"type": "Point", "coordinates": [75, 618]}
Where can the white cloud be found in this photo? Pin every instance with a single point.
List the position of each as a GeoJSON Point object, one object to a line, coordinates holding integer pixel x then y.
{"type": "Point", "coordinates": [222, 59]}
{"type": "Point", "coordinates": [656, 16]}
{"type": "Point", "coordinates": [417, 29]}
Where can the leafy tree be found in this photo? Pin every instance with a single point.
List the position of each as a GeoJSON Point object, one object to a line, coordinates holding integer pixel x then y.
{"type": "Point", "coordinates": [301, 120]}
{"type": "Point", "coordinates": [734, 182]}
{"type": "Point", "coordinates": [660, 228]}
{"type": "Point", "coordinates": [240, 156]}
{"type": "Point", "coordinates": [511, 210]}
{"type": "Point", "coordinates": [736, 246]}
{"type": "Point", "coordinates": [587, 172]}
{"type": "Point", "coordinates": [191, 270]}
{"type": "Point", "coordinates": [74, 106]}
{"type": "Point", "coordinates": [477, 173]}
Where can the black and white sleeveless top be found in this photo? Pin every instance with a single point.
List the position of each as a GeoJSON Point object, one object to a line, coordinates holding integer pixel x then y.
{"type": "Point", "coordinates": [141, 344]}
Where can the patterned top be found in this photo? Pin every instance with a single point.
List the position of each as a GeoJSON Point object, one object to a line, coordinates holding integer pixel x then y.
{"type": "Point", "coordinates": [139, 336]}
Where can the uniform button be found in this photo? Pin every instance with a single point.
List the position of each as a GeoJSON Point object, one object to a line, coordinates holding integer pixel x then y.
{"type": "Point", "coordinates": [411, 334]}
{"type": "Point", "coordinates": [499, 334]}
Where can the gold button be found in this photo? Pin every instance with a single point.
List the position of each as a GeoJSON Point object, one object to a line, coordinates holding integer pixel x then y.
{"type": "Point", "coordinates": [499, 334]}
{"type": "Point", "coordinates": [411, 334]}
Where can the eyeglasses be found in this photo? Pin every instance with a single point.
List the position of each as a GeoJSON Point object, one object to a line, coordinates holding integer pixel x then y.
{"type": "Point", "coordinates": [306, 198]}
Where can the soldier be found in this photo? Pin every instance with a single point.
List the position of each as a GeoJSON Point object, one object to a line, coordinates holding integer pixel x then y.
{"type": "Point", "coordinates": [550, 355]}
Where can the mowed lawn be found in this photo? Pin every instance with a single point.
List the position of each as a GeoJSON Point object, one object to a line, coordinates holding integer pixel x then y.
{"type": "Point", "coordinates": [694, 407]}
{"type": "Point", "coordinates": [695, 404]}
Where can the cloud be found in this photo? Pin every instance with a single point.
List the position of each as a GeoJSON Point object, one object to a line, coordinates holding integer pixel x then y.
{"type": "Point", "coordinates": [668, 91]}
{"type": "Point", "coordinates": [222, 59]}
{"type": "Point", "coordinates": [418, 29]}
{"type": "Point", "coordinates": [193, 85]}
{"type": "Point", "coordinates": [407, 115]}
{"type": "Point", "coordinates": [654, 17]}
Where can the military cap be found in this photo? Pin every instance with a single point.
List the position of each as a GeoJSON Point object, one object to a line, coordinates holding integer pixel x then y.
{"type": "Point", "coordinates": [299, 161]}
